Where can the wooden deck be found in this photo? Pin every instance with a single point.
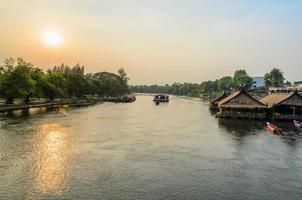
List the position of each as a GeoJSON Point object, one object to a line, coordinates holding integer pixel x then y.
{"type": "Point", "coordinates": [242, 115]}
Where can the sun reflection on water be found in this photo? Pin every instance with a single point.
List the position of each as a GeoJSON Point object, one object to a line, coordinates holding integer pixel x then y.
{"type": "Point", "coordinates": [53, 149]}
{"type": "Point", "coordinates": [63, 110]}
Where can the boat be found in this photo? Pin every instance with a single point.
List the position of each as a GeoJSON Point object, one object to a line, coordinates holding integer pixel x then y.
{"type": "Point", "coordinates": [297, 124]}
{"type": "Point", "coordinates": [122, 99]}
{"type": "Point", "coordinates": [161, 98]}
{"type": "Point", "coordinates": [128, 98]}
{"type": "Point", "coordinates": [274, 129]}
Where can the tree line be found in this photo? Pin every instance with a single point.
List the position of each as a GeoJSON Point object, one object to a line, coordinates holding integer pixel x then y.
{"type": "Point", "coordinates": [239, 80]}
{"type": "Point", "coordinates": [22, 80]}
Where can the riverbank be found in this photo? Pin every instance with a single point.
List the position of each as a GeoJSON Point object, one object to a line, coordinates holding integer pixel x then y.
{"type": "Point", "coordinates": [49, 104]}
{"type": "Point", "coordinates": [72, 102]}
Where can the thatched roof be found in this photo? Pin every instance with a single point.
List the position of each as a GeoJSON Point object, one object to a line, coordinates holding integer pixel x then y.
{"type": "Point", "coordinates": [229, 98]}
{"type": "Point", "coordinates": [216, 101]}
{"type": "Point", "coordinates": [275, 99]}
{"type": "Point", "coordinates": [256, 104]}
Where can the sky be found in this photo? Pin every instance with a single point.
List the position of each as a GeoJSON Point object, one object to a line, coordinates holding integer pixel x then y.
{"type": "Point", "coordinates": [157, 41]}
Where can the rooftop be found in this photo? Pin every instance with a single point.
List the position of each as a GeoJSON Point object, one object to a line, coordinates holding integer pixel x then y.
{"type": "Point", "coordinates": [277, 98]}
{"type": "Point", "coordinates": [257, 103]}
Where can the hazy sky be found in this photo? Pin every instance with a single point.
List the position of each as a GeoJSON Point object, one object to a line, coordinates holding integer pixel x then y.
{"type": "Point", "coordinates": [158, 41]}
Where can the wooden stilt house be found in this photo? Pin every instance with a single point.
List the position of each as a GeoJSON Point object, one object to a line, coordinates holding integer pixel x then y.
{"type": "Point", "coordinates": [284, 106]}
{"type": "Point", "coordinates": [241, 105]}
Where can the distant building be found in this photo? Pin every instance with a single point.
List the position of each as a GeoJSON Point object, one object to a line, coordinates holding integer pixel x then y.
{"type": "Point", "coordinates": [258, 82]}
{"type": "Point", "coordinates": [285, 89]}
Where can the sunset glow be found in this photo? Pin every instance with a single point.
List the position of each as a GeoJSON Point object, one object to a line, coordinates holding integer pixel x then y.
{"type": "Point", "coordinates": [157, 42]}
{"type": "Point", "coordinates": [52, 38]}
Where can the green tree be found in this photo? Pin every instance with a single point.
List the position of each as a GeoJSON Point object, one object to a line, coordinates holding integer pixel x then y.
{"type": "Point", "coordinates": [2, 72]}
{"type": "Point", "coordinates": [209, 86]}
{"type": "Point", "coordinates": [123, 81]}
{"type": "Point", "coordinates": [225, 84]}
{"type": "Point", "coordinates": [43, 87]}
{"type": "Point", "coordinates": [241, 79]}
{"type": "Point", "coordinates": [58, 83]}
{"type": "Point", "coordinates": [16, 80]}
{"type": "Point", "coordinates": [274, 78]}
{"type": "Point", "coordinates": [108, 84]}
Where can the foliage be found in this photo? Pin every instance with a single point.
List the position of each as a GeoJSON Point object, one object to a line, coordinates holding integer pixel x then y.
{"type": "Point", "coordinates": [274, 78]}
{"type": "Point", "coordinates": [16, 81]}
{"type": "Point", "coordinates": [185, 89]}
{"type": "Point", "coordinates": [19, 79]}
{"type": "Point", "coordinates": [209, 86]}
{"type": "Point", "coordinates": [226, 84]}
{"type": "Point", "coordinates": [241, 79]}
{"type": "Point", "coordinates": [123, 81]}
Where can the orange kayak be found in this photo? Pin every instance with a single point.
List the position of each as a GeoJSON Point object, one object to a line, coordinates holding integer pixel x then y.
{"type": "Point", "coordinates": [270, 127]}
{"type": "Point", "coordinates": [273, 128]}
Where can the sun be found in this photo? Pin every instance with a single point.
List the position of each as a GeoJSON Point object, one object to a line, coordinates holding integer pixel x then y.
{"type": "Point", "coordinates": [52, 38]}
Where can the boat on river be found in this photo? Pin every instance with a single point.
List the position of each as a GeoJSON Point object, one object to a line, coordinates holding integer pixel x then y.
{"type": "Point", "coordinates": [274, 129]}
{"type": "Point", "coordinates": [159, 98]}
{"type": "Point", "coordinates": [122, 99]}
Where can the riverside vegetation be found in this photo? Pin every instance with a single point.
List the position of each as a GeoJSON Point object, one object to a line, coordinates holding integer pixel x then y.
{"type": "Point", "coordinates": [22, 80]}
{"type": "Point", "coordinates": [213, 88]}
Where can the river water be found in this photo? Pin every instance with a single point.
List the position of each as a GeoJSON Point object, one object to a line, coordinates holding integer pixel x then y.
{"type": "Point", "coordinates": [139, 150]}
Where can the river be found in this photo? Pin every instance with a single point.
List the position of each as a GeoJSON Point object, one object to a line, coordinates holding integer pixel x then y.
{"type": "Point", "coordinates": [176, 150]}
